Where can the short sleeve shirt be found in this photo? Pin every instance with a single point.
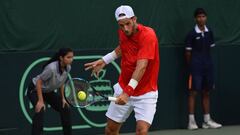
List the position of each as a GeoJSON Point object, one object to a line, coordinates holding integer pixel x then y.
{"type": "Point", "coordinates": [52, 77]}
{"type": "Point", "coordinates": [200, 44]}
{"type": "Point", "coordinates": [141, 45]}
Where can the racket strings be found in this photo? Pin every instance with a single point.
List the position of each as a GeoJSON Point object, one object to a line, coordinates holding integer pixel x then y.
{"type": "Point", "coordinates": [93, 96]}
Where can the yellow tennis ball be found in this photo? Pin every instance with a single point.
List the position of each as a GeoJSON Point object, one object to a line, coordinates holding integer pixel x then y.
{"type": "Point", "coordinates": [82, 95]}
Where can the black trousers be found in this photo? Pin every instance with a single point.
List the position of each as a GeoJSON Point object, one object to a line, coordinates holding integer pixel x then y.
{"type": "Point", "coordinates": [55, 101]}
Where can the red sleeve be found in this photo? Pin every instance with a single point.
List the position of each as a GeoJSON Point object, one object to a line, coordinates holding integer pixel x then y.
{"type": "Point", "coordinates": [147, 47]}
{"type": "Point", "coordinates": [120, 37]}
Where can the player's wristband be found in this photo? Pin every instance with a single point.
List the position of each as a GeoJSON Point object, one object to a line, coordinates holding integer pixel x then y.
{"type": "Point", "coordinates": [109, 57]}
{"type": "Point", "coordinates": [133, 83]}
{"type": "Point", "coordinates": [129, 90]}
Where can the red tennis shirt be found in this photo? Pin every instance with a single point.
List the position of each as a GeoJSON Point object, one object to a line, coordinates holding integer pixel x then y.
{"type": "Point", "coordinates": [141, 45]}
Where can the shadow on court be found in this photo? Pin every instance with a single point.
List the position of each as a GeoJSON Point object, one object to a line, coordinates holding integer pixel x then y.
{"type": "Point", "coordinates": [228, 130]}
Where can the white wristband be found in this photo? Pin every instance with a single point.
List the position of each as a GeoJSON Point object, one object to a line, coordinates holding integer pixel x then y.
{"type": "Point", "coordinates": [109, 57]}
{"type": "Point", "coordinates": [133, 83]}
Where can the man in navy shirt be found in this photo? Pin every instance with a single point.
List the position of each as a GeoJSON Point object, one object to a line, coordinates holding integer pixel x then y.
{"type": "Point", "coordinates": [199, 43]}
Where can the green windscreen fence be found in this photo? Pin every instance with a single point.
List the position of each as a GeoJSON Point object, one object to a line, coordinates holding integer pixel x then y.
{"type": "Point", "coordinates": [49, 24]}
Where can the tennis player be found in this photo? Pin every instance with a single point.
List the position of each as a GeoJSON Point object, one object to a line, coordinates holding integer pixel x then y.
{"type": "Point", "coordinates": [199, 44]}
{"type": "Point", "coordinates": [42, 87]}
{"type": "Point", "coordinates": [136, 89]}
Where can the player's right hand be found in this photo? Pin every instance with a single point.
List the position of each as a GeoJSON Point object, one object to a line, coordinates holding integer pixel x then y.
{"type": "Point", "coordinates": [122, 99]}
{"type": "Point", "coordinates": [95, 66]}
{"type": "Point", "coordinates": [39, 106]}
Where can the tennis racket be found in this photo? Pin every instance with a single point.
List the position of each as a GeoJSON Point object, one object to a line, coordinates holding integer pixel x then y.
{"type": "Point", "coordinates": [75, 85]}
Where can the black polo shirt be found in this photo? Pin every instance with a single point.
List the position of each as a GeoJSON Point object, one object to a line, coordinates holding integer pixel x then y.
{"type": "Point", "coordinates": [200, 44]}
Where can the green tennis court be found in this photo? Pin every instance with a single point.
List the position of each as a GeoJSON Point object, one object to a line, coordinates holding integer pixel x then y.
{"type": "Point", "coordinates": [227, 130]}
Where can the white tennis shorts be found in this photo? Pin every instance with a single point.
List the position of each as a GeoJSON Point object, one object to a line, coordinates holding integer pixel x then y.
{"type": "Point", "coordinates": [144, 107]}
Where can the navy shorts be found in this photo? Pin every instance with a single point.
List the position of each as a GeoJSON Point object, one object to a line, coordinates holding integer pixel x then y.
{"type": "Point", "coordinates": [201, 80]}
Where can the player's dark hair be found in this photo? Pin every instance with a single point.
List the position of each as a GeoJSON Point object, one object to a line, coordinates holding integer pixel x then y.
{"type": "Point", "coordinates": [199, 11]}
{"type": "Point", "coordinates": [56, 57]}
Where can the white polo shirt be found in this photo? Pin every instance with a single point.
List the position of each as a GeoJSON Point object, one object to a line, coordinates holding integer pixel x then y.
{"type": "Point", "coordinates": [52, 77]}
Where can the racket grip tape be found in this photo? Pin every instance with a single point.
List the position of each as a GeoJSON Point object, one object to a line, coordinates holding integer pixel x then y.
{"type": "Point", "coordinates": [112, 99]}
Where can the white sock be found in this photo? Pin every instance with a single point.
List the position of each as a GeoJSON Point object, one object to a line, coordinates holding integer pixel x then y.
{"type": "Point", "coordinates": [206, 117]}
{"type": "Point", "coordinates": [191, 118]}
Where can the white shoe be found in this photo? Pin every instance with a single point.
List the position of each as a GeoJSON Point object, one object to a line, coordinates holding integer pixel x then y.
{"type": "Point", "coordinates": [192, 125]}
{"type": "Point", "coordinates": [211, 124]}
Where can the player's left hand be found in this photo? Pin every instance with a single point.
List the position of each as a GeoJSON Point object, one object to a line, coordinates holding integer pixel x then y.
{"type": "Point", "coordinates": [122, 99]}
{"type": "Point", "coordinates": [64, 103]}
{"type": "Point", "coordinates": [96, 66]}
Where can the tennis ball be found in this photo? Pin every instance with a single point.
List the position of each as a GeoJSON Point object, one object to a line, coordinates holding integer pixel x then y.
{"type": "Point", "coordinates": [82, 95]}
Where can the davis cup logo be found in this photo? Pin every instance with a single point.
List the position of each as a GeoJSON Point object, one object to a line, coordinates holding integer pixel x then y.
{"type": "Point", "coordinates": [103, 83]}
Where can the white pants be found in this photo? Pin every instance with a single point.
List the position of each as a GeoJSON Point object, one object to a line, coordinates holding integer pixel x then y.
{"type": "Point", "coordinates": [144, 107]}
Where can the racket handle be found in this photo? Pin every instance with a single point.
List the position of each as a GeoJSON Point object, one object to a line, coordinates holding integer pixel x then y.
{"type": "Point", "coordinates": [112, 99]}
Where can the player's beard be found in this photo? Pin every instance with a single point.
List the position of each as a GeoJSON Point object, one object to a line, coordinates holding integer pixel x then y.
{"type": "Point", "coordinates": [134, 30]}
{"type": "Point", "coordinates": [127, 33]}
